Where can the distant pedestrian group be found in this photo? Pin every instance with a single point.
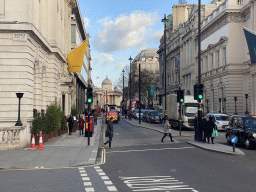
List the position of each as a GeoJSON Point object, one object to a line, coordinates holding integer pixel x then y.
{"type": "Point", "coordinates": [205, 130]}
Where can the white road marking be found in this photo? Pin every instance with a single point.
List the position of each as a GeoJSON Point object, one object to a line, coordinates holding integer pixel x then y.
{"type": "Point", "coordinates": [155, 183]}
{"type": "Point", "coordinates": [104, 178]}
{"type": "Point", "coordinates": [111, 188]}
{"type": "Point", "coordinates": [86, 178]}
{"type": "Point", "coordinates": [81, 168]}
{"type": "Point", "coordinates": [87, 183]}
{"type": "Point", "coordinates": [82, 171]}
{"type": "Point", "coordinates": [99, 170]}
{"type": "Point", "coordinates": [108, 182]}
{"type": "Point", "coordinates": [89, 189]}
{"type": "Point", "coordinates": [102, 173]}
{"type": "Point", "coordinates": [149, 150]}
{"type": "Point", "coordinates": [96, 167]}
{"type": "Point", "coordinates": [83, 175]}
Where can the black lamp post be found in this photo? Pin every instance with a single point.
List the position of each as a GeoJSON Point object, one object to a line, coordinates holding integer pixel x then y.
{"type": "Point", "coordinates": [224, 108]}
{"type": "Point", "coordinates": [207, 101]}
{"type": "Point", "coordinates": [130, 106]}
{"type": "Point", "coordinates": [18, 123]}
{"type": "Point", "coordinates": [139, 95]}
{"type": "Point", "coordinates": [246, 97]}
{"type": "Point", "coordinates": [165, 20]}
{"type": "Point", "coordinates": [123, 89]}
{"type": "Point", "coordinates": [235, 98]}
{"type": "Point", "coordinates": [220, 105]}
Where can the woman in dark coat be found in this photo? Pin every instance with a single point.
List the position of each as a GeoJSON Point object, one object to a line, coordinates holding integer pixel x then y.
{"type": "Point", "coordinates": [70, 123]}
{"type": "Point", "coordinates": [110, 127]}
{"type": "Point", "coordinates": [209, 128]}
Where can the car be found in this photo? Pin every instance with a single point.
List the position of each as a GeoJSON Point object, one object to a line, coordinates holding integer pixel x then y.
{"type": "Point", "coordinates": [136, 113]}
{"type": "Point", "coordinates": [154, 117]}
{"type": "Point", "coordinates": [145, 114]}
{"type": "Point", "coordinates": [113, 114]}
{"type": "Point", "coordinates": [244, 127]}
{"type": "Point", "coordinates": [221, 120]}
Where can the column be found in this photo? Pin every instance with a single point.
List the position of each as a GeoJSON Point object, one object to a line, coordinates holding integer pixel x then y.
{"type": "Point", "coordinates": [52, 16]}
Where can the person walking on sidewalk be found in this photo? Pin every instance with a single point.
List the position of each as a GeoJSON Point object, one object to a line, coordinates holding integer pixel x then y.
{"type": "Point", "coordinates": [81, 123]}
{"type": "Point", "coordinates": [110, 127]}
{"type": "Point", "coordinates": [196, 127]}
{"type": "Point", "coordinates": [70, 123]}
{"type": "Point", "coordinates": [167, 130]}
{"type": "Point", "coordinates": [203, 128]}
{"type": "Point", "coordinates": [209, 129]}
{"type": "Point", "coordinates": [95, 116]}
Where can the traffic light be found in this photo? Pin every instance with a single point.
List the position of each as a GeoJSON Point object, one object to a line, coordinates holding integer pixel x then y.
{"type": "Point", "coordinates": [200, 91]}
{"type": "Point", "coordinates": [89, 95]}
{"type": "Point", "coordinates": [196, 92]}
{"type": "Point", "coordinates": [180, 96]}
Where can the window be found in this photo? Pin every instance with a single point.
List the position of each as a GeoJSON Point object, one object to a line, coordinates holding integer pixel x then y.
{"type": "Point", "coordinates": [212, 61]}
{"type": "Point", "coordinates": [218, 58]}
{"type": "Point", "coordinates": [73, 33]}
{"type": "Point", "coordinates": [224, 56]}
{"type": "Point", "coordinates": [143, 59]}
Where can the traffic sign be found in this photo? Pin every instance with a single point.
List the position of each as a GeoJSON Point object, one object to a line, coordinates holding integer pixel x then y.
{"type": "Point", "coordinates": [234, 139]}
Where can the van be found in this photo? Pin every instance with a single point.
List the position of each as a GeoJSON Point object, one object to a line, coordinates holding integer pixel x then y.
{"type": "Point", "coordinates": [221, 120]}
{"type": "Point", "coordinates": [113, 114]}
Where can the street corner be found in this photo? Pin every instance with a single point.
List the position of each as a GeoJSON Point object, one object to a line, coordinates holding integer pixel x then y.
{"type": "Point", "coordinates": [217, 147]}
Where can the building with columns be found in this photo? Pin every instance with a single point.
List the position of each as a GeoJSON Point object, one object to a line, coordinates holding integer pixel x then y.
{"type": "Point", "coordinates": [36, 37]}
{"type": "Point", "coordinates": [226, 70]}
{"type": "Point", "coordinates": [106, 95]}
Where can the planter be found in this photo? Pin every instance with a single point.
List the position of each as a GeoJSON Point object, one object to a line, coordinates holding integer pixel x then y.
{"type": "Point", "coordinates": [55, 133]}
{"type": "Point", "coordinates": [59, 132]}
{"type": "Point", "coordinates": [45, 137]}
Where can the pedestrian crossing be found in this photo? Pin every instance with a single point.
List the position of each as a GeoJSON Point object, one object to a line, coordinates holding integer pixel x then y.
{"type": "Point", "coordinates": [96, 180]}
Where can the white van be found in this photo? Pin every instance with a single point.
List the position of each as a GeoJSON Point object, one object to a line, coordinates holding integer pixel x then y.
{"type": "Point", "coordinates": [221, 120]}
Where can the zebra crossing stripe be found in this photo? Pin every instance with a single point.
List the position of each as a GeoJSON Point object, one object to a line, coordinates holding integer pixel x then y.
{"type": "Point", "coordinates": [111, 188]}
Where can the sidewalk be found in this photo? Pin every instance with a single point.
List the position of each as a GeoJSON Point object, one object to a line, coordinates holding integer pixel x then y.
{"type": "Point", "coordinates": [63, 151]}
{"type": "Point", "coordinates": [218, 147]}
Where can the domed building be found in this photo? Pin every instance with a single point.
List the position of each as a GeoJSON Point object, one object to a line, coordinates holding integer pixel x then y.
{"type": "Point", "coordinates": [106, 96]}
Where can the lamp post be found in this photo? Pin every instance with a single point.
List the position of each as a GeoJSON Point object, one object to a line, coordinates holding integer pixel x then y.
{"type": "Point", "coordinates": [139, 95]}
{"type": "Point", "coordinates": [224, 108]}
{"type": "Point", "coordinates": [246, 97]}
{"type": "Point", "coordinates": [207, 101]}
{"type": "Point", "coordinates": [130, 109]}
{"type": "Point", "coordinates": [18, 123]}
{"type": "Point", "coordinates": [165, 20]}
{"type": "Point", "coordinates": [235, 98]}
{"type": "Point", "coordinates": [123, 89]}
{"type": "Point", "coordinates": [220, 105]}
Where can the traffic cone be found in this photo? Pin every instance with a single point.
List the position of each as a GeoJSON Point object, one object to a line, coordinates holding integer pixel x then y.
{"type": "Point", "coordinates": [40, 145]}
{"type": "Point", "coordinates": [33, 143]}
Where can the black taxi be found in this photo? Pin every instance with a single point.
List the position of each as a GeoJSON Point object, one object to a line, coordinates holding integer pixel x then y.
{"type": "Point", "coordinates": [244, 127]}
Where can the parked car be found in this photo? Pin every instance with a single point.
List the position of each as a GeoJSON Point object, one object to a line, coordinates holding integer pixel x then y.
{"type": "Point", "coordinates": [221, 120]}
{"type": "Point", "coordinates": [154, 117]}
{"type": "Point", "coordinates": [244, 127]}
{"type": "Point", "coordinates": [145, 114]}
{"type": "Point", "coordinates": [113, 114]}
{"type": "Point", "coordinates": [136, 113]}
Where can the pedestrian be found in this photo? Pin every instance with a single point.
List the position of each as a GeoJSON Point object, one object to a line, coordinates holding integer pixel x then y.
{"type": "Point", "coordinates": [167, 130]}
{"type": "Point", "coordinates": [95, 116]}
{"type": "Point", "coordinates": [110, 127]}
{"type": "Point", "coordinates": [209, 129]}
{"type": "Point", "coordinates": [196, 127]}
{"type": "Point", "coordinates": [81, 123]}
{"type": "Point", "coordinates": [70, 123]}
{"type": "Point", "coordinates": [203, 128]}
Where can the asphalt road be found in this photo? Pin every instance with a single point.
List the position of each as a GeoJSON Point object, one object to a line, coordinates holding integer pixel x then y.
{"type": "Point", "coordinates": [140, 162]}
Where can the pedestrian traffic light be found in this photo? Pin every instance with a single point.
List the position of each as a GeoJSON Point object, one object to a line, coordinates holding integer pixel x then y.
{"type": "Point", "coordinates": [180, 96]}
{"type": "Point", "coordinates": [89, 95]}
{"type": "Point", "coordinates": [200, 91]}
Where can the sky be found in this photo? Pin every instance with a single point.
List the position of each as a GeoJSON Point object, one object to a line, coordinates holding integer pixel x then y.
{"type": "Point", "coordinates": [119, 29]}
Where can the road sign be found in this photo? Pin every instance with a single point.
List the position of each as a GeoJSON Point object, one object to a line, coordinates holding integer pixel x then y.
{"type": "Point", "coordinates": [234, 139]}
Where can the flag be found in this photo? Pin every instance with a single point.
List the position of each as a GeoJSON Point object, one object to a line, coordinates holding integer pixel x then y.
{"type": "Point", "coordinates": [152, 90]}
{"type": "Point", "coordinates": [76, 57]}
{"type": "Point", "coordinates": [177, 62]}
{"type": "Point", "coordinates": [251, 43]}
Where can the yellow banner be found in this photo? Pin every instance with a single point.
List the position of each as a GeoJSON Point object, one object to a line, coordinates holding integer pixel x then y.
{"type": "Point", "coordinates": [76, 57]}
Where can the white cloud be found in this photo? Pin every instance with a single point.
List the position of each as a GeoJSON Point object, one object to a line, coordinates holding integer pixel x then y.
{"type": "Point", "coordinates": [155, 37]}
{"type": "Point", "coordinates": [118, 67]}
{"type": "Point", "coordinates": [103, 59]}
{"type": "Point", "coordinates": [86, 22]}
{"type": "Point", "coordinates": [124, 32]}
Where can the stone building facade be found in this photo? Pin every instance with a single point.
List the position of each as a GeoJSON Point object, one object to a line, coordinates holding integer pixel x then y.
{"type": "Point", "coordinates": [225, 63]}
{"type": "Point", "coordinates": [35, 40]}
{"type": "Point", "coordinates": [106, 95]}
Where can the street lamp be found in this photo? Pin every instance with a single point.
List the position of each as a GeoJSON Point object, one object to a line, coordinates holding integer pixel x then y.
{"type": "Point", "coordinates": [130, 89]}
{"type": "Point", "coordinates": [123, 89]}
{"type": "Point", "coordinates": [246, 97]}
{"type": "Point", "coordinates": [235, 98]}
{"type": "Point", "coordinates": [18, 123]}
{"type": "Point", "coordinates": [139, 95]}
{"type": "Point", "coordinates": [224, 100]}
{"type": "Point", "coordinates": [207, 101]}
{"type": "Point", "coordinates": [165, 20]}
{"type": "Point", "coordinates": [220, 105]}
